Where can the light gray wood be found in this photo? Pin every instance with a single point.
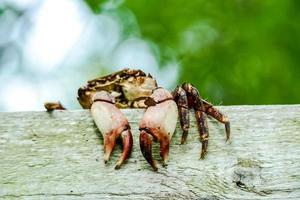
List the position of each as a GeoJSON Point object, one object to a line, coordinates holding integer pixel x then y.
{"type": "Point", "coordinates": [59, 156]}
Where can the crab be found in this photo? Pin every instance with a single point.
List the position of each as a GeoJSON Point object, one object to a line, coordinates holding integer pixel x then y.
{"type": "Point", "coordinates": [130, 88]}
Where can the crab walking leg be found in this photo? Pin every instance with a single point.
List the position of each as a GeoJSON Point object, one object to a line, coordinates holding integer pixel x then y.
{"type": "Point", "coordinates": [215, 113]}
{"type": "Point", "coordinates": [197, 103]}
{"type": "Point", "coordinates": [146, 148]}
{"type": "Point", "coordinates": [112, 123]}
{"type": "Point", "coordinates": [203, 131]}
{"type": "Point", "coordinates": [180, 98]}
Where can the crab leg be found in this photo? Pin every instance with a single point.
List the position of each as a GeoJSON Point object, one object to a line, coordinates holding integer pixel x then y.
{"type": "Point", "coordinates": [215, 113]}
{"type": "Point", "coordinates": [203, 131]}
{"type": "Point", "coordinates": [180, 97]}
{"type": "Point", "coordinates": [112, 124]}
{"type": "Point", "coordinates": [196, 102]}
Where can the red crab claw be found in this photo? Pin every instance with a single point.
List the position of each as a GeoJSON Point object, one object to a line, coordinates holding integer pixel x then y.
{"type": "Point", "coordinates": [158, 123]}
{"type": "Point", "coordinates": [112, 124]}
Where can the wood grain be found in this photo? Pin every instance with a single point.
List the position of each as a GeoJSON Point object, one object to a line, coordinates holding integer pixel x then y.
{"type": "Point", "coordinates": [59, 156]}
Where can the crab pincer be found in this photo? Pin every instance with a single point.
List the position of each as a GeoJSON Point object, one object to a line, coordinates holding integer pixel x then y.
{"type": "Point", "coordinates": [113, 124]}
{"type": "Point", "coordinates": [158, 123]}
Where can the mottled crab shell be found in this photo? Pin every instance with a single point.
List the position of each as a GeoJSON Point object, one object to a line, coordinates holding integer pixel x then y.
{"type": "Point", "coordinates": [130, 88]}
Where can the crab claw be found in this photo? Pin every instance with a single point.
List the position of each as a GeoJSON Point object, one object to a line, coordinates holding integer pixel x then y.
{"type": "Point", "coordinates": [146, 148]}
{"type": "Point", "coordinates": [112, 124]}
{"type": "Point", "coordinates": [158, 123]}
{"type": "Point", "coordinates": [127, 147]}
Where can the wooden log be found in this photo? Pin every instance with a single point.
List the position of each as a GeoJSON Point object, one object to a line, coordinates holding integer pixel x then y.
{"type": "Point", "coordinates": [59, 156]}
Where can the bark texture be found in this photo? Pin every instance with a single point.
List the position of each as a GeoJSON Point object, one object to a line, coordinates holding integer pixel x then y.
{"type": "Point", "coordinates": [60, 156]}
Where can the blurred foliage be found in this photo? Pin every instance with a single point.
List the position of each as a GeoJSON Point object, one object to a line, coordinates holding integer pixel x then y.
{"type": "Point", "coordinates": [234, 52]}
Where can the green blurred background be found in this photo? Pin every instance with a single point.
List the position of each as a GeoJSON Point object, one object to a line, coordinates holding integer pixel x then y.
{"type": "Point", "coordinates": [238, 52]}
{"type": "Point", "coordinates": [234, 52]}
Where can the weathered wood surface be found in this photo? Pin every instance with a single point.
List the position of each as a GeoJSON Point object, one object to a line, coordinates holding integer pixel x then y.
{"type": "Point", "coordinates": [59, 156]}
